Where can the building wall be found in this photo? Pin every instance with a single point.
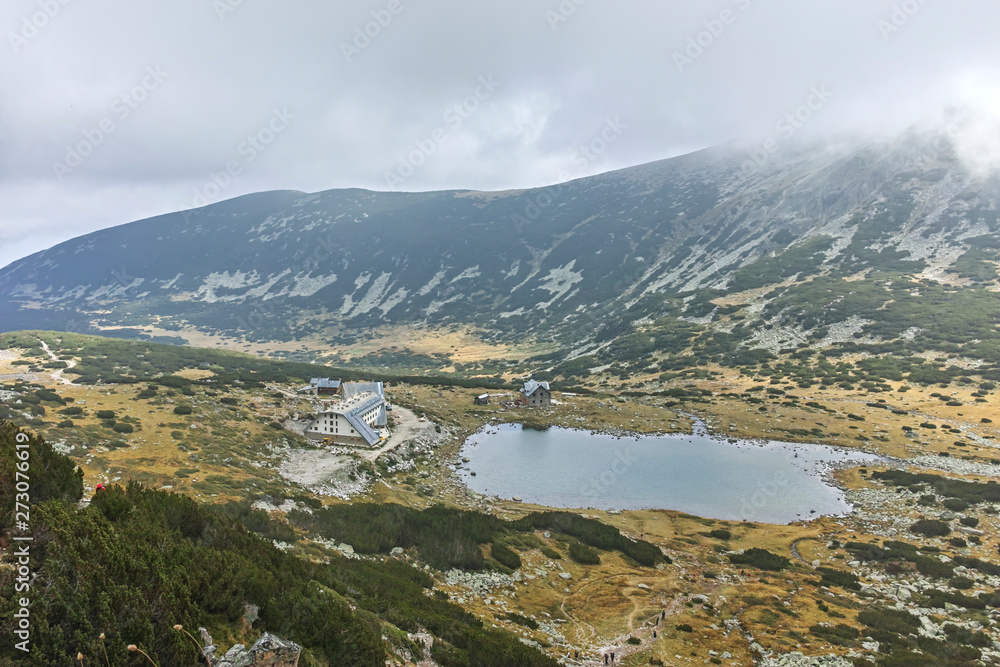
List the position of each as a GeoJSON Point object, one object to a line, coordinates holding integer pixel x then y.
{"type": "Point", "coordinates": [336, 427]}
{"type": "Point", "coordinates": [330, 424]}
{"type": "Point", "coordinates": [539, 399]}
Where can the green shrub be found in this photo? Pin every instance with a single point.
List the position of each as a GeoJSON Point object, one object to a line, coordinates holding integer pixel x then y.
{"type": "Point", "coordinates": [66, 423]}
{"type": "Point", "coordinates": [51, 396]}
{"type": "Point", "coordinates": [930, 528]}
{"type": "Point", "coordinates": [105, 414]}
{"type": "Point", "coordinates": [840, 631]}
{"type": "Point", "coordinates": [720, 534]}
{"type": "Point", "coordinates": [762, 559]}
{"type": "Point", "coordinates": [955, 504]}
{"type": "Point", "coordinates": [593, 533]}
{"type": "Point", "coordinates": [73, 411]}
{"type": "Point", "coordinates": [890, 620]}
{"type": "Point", "coordinates": [842, 578]}
{"type": "Point", "coordinates": [684, 627]}
{"type": "Point", "coordinates": [183, 410]}
{"type": "Point", "coordinates": [939, 599]}
{"type": "Point", "coordinates": [932, 567]}
{"type": "Point", "coordinates": [961, 583]}
{"type": "Point", "coordinates": [123, 428]}
{"type": "Point", "coordinates": [583, 554]}
{"type": "Point", "coordinates": [959, 635]}
{"type": "Point", "coordinates": [504, 555]}
{"type": "Point", "coordinates": [529, 623]}
{"type": "Point", "coordinates": [174, 381]}
{"type": "Point", "coordinates": [57, 477]}
{"type": "Point", "coordinates": [549, 552]}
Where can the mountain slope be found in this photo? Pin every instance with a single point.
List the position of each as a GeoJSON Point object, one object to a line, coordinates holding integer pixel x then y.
{"type": "Point", "coordinates": [575, 265]}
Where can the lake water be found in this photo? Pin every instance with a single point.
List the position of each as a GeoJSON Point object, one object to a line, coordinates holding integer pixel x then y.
{"type": "Point", "coordinates": [698, 473]}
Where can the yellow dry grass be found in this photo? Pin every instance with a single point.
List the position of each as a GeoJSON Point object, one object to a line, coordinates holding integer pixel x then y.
{"type": "Point", "coordinates": [163, 442]}
{"type": "Point", "coordinates": [458, 344]}
{"type": "Point", "coordinates": [603, 605]}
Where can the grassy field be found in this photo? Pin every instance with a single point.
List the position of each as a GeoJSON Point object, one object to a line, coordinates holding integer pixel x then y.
{"type": "Point", "coordinates": [227, 448]}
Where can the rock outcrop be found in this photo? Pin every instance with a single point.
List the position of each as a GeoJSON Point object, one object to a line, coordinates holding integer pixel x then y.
{"type": "Point", "coordinates": [268, 651]}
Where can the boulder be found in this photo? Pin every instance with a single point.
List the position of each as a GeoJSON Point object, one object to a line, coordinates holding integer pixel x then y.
{"type": "Point", "coordinates": [268, 651]}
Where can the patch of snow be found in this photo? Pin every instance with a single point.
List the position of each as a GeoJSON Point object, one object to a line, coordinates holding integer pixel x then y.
{"type": "Point", "coordinates": [434, 282]}
{"type": "Point", "coordinates": [472, 272]}
{"type": "Point", "coordinates": [362, 280]}
{"type": "Point", "coordinates": [438, 305]}
{"type": "Point", "coordinates": [308, 285]}
{"type": "Point", "coordinates": [374, 295]}
{"type": "Point", "coordinates": [559, 282]}
{"type": "Point", "coordinates": [170, 283]}
{"type": "Point", "coordinates": [397, 298]}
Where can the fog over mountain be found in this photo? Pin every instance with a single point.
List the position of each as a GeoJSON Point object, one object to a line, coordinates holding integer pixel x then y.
{"type": "Point", "coordinates": [758, 247]}
{"type": "Point", "coordinates": [116, 113]}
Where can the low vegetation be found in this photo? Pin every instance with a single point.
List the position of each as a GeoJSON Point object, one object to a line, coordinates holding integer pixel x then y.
{"type": "Point", "coordinates": [102, 577]}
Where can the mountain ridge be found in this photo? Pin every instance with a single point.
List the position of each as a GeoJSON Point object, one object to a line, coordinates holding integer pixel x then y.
{"type": "Point", "coordinates": [557, 263]}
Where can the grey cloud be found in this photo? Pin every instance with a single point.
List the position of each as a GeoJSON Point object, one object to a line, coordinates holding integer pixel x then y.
{"type": "Point", "coordinates": [566, 67]}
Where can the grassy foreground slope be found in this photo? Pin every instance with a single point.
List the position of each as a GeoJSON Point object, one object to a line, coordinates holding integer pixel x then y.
{"type": "Point", "coordinates": [135, 562]}
{"type": "Point", "coordinates": [742, 588]}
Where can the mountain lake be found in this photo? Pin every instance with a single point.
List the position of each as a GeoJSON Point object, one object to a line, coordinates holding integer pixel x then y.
{"type": "Point", "coordinates": [698, 473]}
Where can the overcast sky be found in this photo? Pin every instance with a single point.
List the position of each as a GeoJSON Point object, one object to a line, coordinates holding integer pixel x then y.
{"type": "Point", "coordinates": [116, 111]}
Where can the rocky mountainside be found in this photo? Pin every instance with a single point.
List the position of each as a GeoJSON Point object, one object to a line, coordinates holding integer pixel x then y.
{"type": "Point", "coordinates": [753, 250]}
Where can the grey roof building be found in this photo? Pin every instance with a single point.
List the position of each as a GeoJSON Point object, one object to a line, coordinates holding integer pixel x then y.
{"type": "Point", "coordinates": [535, 394]}
{"type": "Point", "coordinates": [321, 386]}
{"type": "Point", "coordinates": [350, 389]}
{"type": "Point", "coordinates": [351, 420]}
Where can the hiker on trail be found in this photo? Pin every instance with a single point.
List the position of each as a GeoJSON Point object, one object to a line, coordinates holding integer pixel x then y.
{"type": "Point", "coordinates": [654, 634]}
{"type": "Point", "coordinates": [663, 614]}
{"type": "Point", "coordinates": [605, 658]}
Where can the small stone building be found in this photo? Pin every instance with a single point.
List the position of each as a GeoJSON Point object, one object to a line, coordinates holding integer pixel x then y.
{"type": "Point", "coordinates": [535, 394]}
